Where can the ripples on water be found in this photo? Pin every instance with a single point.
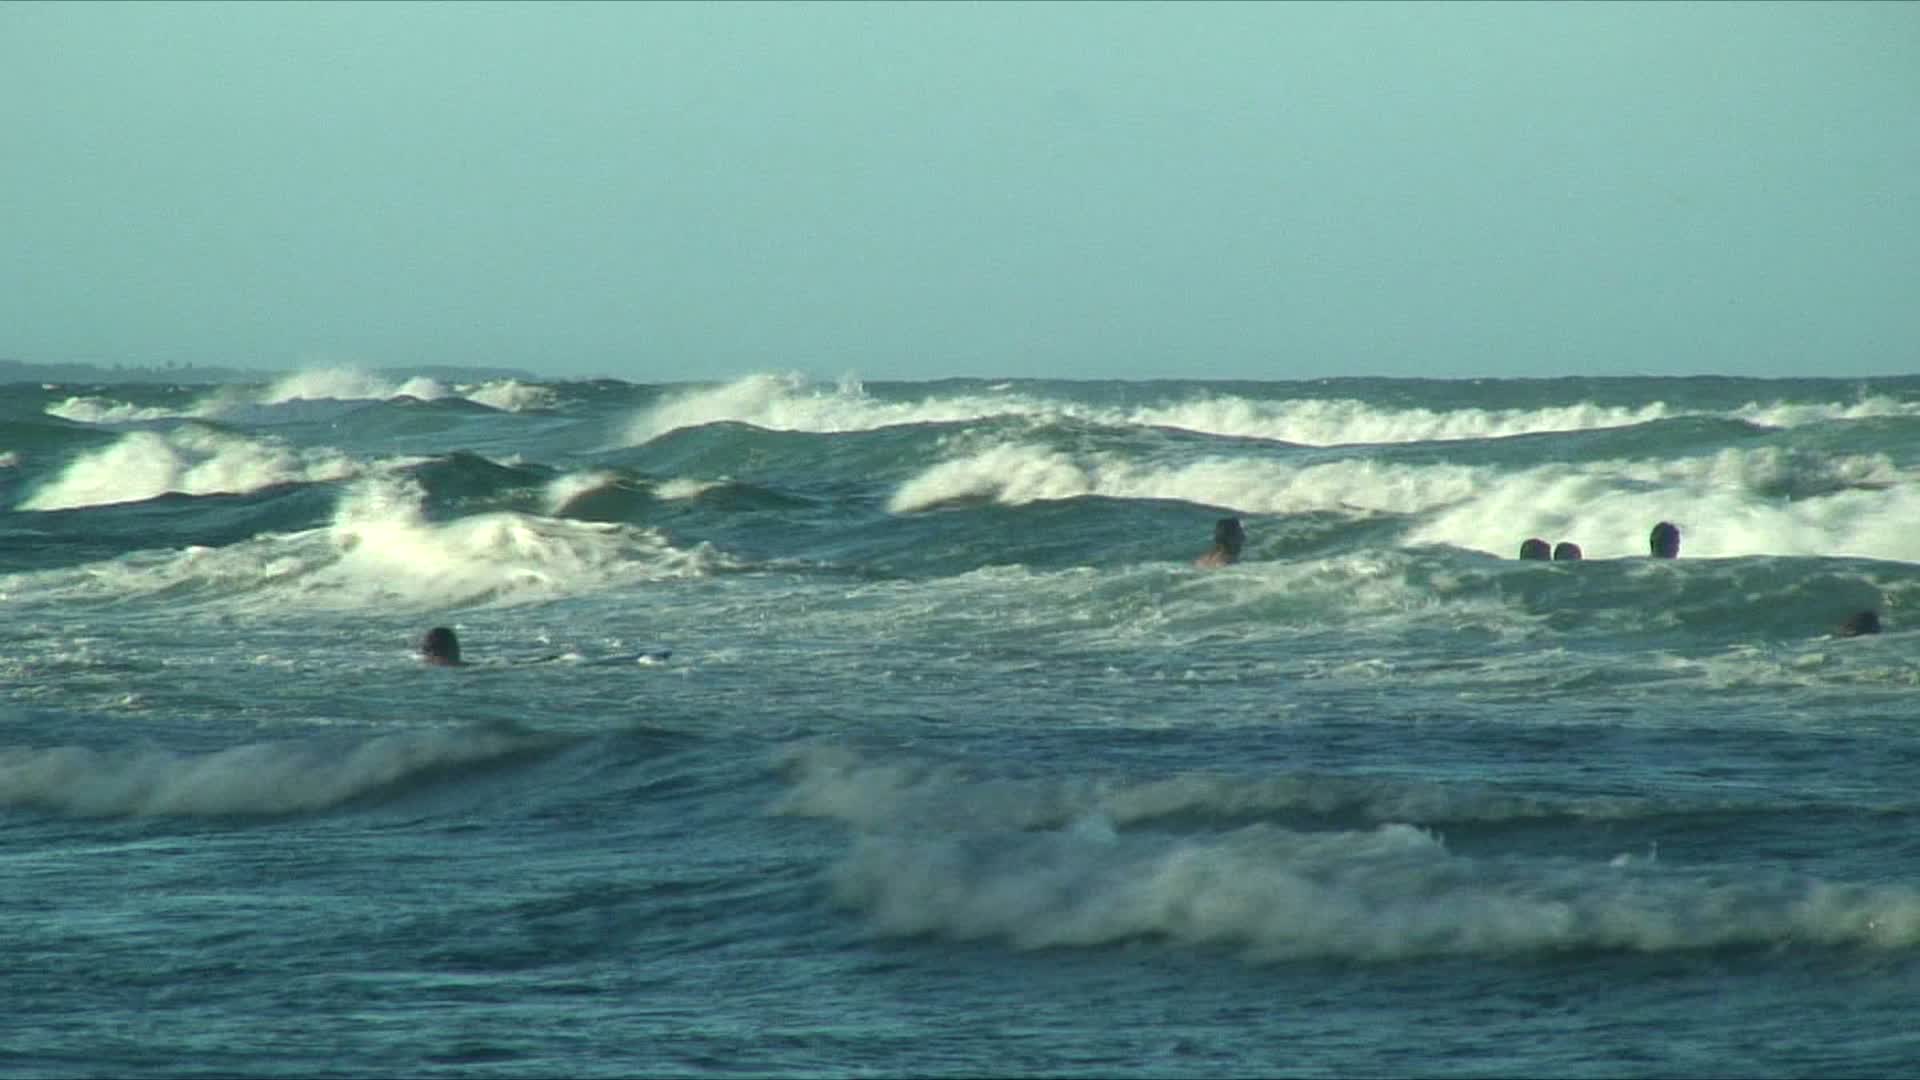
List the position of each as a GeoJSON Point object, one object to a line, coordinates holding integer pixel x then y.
{"type": "Point", "coordinates": [958, 765]}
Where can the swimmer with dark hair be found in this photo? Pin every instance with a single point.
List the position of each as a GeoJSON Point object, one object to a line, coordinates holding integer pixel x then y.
{"type": "Point", "coordinates": [1858, 623]}
{"type": "Point", "coordinates": [1664, 541]}
{"type": "Point", "coordinates": [1534, 548]}
{"type": "Point", "coordinates": [440, 647]}
{"type": "Point", "coordinates": [1228, 539]}
{"type": "Point", "coordinates": [1566, 551]}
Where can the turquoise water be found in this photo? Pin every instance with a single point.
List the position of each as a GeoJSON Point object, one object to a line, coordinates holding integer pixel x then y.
{"type": "Point", "coordinates": [957, 765]}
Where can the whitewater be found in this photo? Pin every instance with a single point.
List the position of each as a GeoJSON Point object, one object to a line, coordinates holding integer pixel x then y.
{"type": "Point", "coordinates": [820, 726]}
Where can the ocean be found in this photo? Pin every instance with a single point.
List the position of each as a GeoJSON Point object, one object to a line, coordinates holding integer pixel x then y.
{"type": "Point", "coordinates": [816, 728]}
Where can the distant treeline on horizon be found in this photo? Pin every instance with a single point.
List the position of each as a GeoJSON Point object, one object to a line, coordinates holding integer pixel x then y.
{"type": "Point", "coordinates": [12, 371]}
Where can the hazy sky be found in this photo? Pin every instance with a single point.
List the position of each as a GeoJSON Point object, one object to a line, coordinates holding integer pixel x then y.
{"type": "Point", "coordinates": [668, 191]}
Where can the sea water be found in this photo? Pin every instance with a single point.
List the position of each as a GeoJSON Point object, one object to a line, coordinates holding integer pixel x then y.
{"type": "Point", "coordinates": [955, 764]}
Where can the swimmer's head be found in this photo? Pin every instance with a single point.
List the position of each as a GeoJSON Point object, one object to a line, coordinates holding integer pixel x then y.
{"type": "Point", "coordinates": [440, 646]}
{"type": "Point", "coordinates": [1858, 623]}
{"type": "Point", "coordinates": [1229, 535]}
{"type": "Point", "coordinates": [1534, 548]}
{"type": "Point", "coordinates": [1664, 541]}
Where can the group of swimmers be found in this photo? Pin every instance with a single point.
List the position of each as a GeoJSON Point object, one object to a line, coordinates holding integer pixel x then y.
{"type": "Point", "coordinates": [1229, 537]}
{"type": "Point", "coordinates": [1662, 543]}
{"type": "Point", "coordinates": [441, 647]}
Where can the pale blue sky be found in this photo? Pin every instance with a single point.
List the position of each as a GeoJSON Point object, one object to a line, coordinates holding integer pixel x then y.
{"type": "Point", "coordinates": [669, 191]}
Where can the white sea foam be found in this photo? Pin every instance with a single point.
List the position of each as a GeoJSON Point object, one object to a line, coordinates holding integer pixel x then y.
{"type": "Point", "coordinates": [193, 460]}
{"type": "Point", "coordinates": [98, 410]}
{"type": "Point", "coordinates": [1016, 473]}
{"type": "Point", "coordinates": [1795, 414]}
{"type": "Point", "coordinates": [1388, 893]}
{"type": "Point", "coordinates": [349, 384]}
{"type": "Point", "coordinates": [1047, 862]}
{"type": "Point", "coordinates": [339, 384]}
{"type": "Point", "coordinates": [563, 491]}
{"type": "Point", "coordinates": [258, 779]}
{"type": "Point", "coordinates": [386, 552]}
{"type": "Point", "coordinates": [681, 487]}
{"type": "Point", "coordinates": [1757, 501]}
{"type": "Point", "coordinates": [381, 553]}
{"type": "Point", "coordinates": [790, 402]}
{"type": "Point", "coordinates": [567, 487]}
{"type": "Point", "coordinates": [1736, 502]}
{"type": "Point", "coordinates": [511, 395]}
{"type": "Point", "coordinates": [1341, 421]}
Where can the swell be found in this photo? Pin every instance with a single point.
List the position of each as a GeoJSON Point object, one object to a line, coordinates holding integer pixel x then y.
{"type": "Point", "coordinates": [67, 538]}
{"type": "Point", "coordinates": [271, 779]}
{"type": "Point", "coordinates": [941, 480]}
{"type": "Point", "coordinates": [438, 774]}
{"type": "Point", "coordinates": [881, 792]}
{"type": "Point", "coordinates": [1299, 865]}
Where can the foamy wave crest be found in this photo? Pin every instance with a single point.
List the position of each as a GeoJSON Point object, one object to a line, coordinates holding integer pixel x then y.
{"type": "Point", "coordinates": [1337, 422]}
{"type": "Point", "coordinates": [352, 384]}
{"type": "Point", "coordinates": [511, 395]}
{"type": "Point", "coordinates": [1389, 893]}
{"type": "Point", "coordinates": [382, 554]}
{"type": "Point", "coordinates": [1342, 421]}
{"type": "Point", "coordinates": [226, 402]}
{"type": "Point", "coordinates": [791, 402]}
{"type": "Point", "coordinates": [349, 384]}
{"type": "Point", "coordinates": [1740, 501]}
{"type": "Point", "coordinates": [99, 410]}
{"type": "Point", "coordinates": [564, 489]}
{"type": "Point", "coordinates": [310, 387]}
{"type": "Point", "coordinates": [386, 552]}
{"type": "Point", "coordinates": [261, 779]}
{"type": "Point", "coordinates": [193, 460]}
{"type": "Point", "coordinates": [1782, 414]}
{"type": "Point", "coordinates": [1048, 862]}
{"type": "Point", "coordinates": [681, 487]}
{"type": "Point", "coordinates": [568, 493]}
{"type": "Point", "coordinates": [1016, 473]}
{"type": "Point", "coordinates": [1762, 501]}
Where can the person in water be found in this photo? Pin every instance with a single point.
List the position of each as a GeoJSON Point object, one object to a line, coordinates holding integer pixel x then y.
{"type": "Point", "coordinates": [440, 646]}
{"type": "Point", "coordinates": [1566, 551]}
{"type": "Point", "coordinates": [1228, 539]}
{"type": "Point", "coordinates": [1534, 548]}
{"type": "Point", "coordinates": [1664, 541]}
{"type": "Point", "coordinates": [1858, 623]}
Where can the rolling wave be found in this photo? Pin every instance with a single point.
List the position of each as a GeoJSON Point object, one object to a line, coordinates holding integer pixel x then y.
{"type": "Point", "coordinates": [793, 403]}
{"type": "Point", "coordinates": [256, 780]}
{"type": "Point", "coordinates": [1793, 499]}
{"type": "Point", "coordinates": [1289, 867]}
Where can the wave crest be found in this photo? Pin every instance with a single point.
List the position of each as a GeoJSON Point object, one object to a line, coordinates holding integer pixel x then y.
{"type": "Point", "coordinates": [261, 779]}
{"type": "Point", "coordinates": [192, 460]}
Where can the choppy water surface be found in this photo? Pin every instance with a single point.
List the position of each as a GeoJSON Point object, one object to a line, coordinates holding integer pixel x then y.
{"type": "Point", "coordinates": [958, 765]}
